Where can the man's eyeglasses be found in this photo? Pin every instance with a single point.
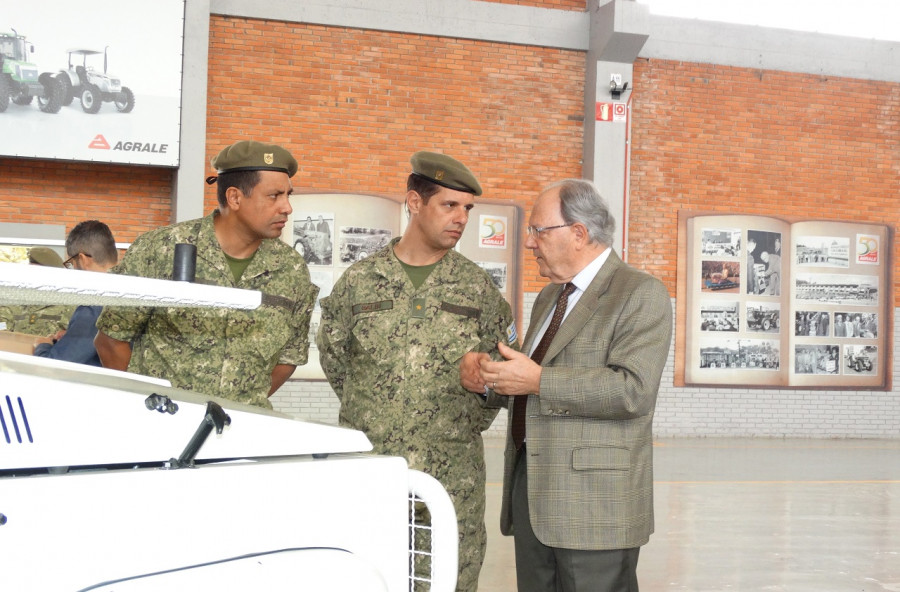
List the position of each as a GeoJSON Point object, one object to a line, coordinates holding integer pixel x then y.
{"type": "Point", "coordinates": [535, 231]}
{"type": "Point", "coordinates": [70, 262]}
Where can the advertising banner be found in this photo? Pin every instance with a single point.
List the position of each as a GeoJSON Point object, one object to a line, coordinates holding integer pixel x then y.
{"type": "Point", "coordinates": [98, 82]}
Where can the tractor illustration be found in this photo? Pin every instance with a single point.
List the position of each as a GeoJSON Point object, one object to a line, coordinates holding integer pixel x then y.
{"type": "Point", "coordinates": [21, 80]}
{"type": "Point", "coordinates": [92, 86]}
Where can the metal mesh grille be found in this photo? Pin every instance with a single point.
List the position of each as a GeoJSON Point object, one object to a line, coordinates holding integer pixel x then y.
{"type": "Point", "coordinates": [421, 553]}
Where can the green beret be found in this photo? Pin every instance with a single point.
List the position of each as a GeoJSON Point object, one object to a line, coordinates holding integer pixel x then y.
{"type": "Point", "coordinates": [445, 171]}
{"type": "Point", "coordinates": [248, 155]}
{"type": "Point", "coordinates": [44, 256]}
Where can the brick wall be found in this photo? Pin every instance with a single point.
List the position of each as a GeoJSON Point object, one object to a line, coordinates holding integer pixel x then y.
{"type": "Point", "coordinates": [757, 142]}
{"type": "Point", "coordinates": [354, 105]}
{"type": "Point", "coordinates": [131, 200]}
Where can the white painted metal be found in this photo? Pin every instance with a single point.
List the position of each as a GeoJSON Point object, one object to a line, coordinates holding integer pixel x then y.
{"type": "Point", "coordinates": [36, 284]}
{"type": "Point", "coordinates": [85, 504]}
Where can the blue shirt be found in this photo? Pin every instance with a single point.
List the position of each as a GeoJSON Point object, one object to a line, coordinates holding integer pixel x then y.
{"type": "Point", "coordinates": [77, 345]}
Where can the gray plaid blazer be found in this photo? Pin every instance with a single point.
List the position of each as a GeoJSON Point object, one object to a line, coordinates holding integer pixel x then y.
{"type": "Point", "coordinates": [589, 440]}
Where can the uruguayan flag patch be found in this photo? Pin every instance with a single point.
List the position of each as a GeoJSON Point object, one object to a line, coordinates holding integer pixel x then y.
{"type": "Point", "coordinates": [511, 334]}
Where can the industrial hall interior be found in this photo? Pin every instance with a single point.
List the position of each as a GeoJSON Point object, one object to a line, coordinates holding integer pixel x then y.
{"type": "Point", "coordinates": [392, 294]}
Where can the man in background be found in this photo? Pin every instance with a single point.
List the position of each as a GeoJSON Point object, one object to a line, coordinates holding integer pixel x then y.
{"type": "Point", "coordinates": [44, 320]}
{"type": "Point", "coordinates": [90, 247]}
{"type": "Point", "coordinates": [752, 281]}
{"type": "Point", "coordinates": [399, 330]}
{"type": "Point", "coordinates": [242, 355]}
{"type": "Point", "coordinates": [578, 481]}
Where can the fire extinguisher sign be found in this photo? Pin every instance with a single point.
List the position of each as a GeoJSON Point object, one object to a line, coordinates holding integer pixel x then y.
{"type": "Point", "coordinates": [611, 111]}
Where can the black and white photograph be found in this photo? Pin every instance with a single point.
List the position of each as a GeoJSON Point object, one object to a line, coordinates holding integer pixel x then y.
{"type": "Point", "coordinates": [745, 354]}
{"type": "Point", "coordinates": [860, 359]}
{"type": "Point", "coordinates": [812, 323]}
{"type": "Point", "coordinates": [312, 237]}
{"type": "Point", "coordinates": [862, 325]}
{"type": "Point", "coordinates": [716, 315]}
{"type": "Point", "coordinates": [816, 359]}
{"type": "Point", "coordinates": [497, 271]}
{"type": "Point", "coordinates": [763, 317]}
{"type": "Point", "coordinates": [830, 288]}
{"type": "Point", "coordinates": [763, 263]}
{"type": "Point", "coordinates": [720, 242]}
{"type": "Point", "coordinates": [823, 251]}
{"type": "Point", "coordinates": [720, 276]}
{"type": "Point", "coordinates": [357, 242]}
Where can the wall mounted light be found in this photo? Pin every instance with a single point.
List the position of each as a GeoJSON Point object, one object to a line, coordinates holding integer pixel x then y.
{"type": "Point", "coordinates": [615, 90]}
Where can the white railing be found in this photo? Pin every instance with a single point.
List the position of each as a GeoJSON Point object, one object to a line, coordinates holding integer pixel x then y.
{"type": "Point", "coordinates": [434, 543]}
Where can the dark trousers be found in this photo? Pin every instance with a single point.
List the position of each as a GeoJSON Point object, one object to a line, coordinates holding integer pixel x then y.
{"type": "Point", "coordinates": [540, 568]}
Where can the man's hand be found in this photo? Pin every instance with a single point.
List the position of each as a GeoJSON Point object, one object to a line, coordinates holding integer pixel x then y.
{"type": "Point", "coordinates": [518, 375]}
{"type": "Point", "coordinates": [470, 371]}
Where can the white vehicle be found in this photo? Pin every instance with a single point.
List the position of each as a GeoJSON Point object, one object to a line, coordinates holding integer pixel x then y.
{"type": "Point", "coordinates": [113, 481]}
{"type": "Point", "coordinates": [81, 79]}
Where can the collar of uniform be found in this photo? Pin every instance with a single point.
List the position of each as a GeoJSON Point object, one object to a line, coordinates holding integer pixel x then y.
{"type": "Point", "coordinates": [445, 272]}
{"type": "Point", "coordinates": [267, 256]}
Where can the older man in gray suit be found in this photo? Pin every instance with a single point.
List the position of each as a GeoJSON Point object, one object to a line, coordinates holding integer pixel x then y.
{"type": "Point", "coordinates": [578, 493]}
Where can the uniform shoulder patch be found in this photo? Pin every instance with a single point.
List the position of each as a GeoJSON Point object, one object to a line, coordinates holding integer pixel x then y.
{"type": "Point", "coordinates": [511, 333]}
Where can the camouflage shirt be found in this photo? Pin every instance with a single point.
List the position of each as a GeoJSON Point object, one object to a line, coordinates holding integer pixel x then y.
{"type": "Point", "coordinates": [223, 352]}
{"type": "Point", "coordinates": [35, 320]}
{"type": "Point", "coordinates": [391, 352]}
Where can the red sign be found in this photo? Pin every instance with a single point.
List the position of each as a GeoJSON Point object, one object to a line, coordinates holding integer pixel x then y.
{"type": "Point", "coordinates": [604, 111]}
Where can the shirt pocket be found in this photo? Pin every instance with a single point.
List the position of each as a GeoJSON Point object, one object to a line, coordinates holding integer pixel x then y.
{"type": "Point", "coordinates": [456, 330]}
{"type": "Point", "coordinates": [269, 329]}
{"type": "Point", "coordinates": [373, 331]}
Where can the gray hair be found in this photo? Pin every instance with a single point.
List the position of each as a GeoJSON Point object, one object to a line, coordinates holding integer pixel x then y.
{"type": "Point", "coordinates": [580, 201]}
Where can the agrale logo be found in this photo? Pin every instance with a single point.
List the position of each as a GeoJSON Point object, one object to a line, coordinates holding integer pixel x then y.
{"type": "Point", "coordinates": [100, 143]}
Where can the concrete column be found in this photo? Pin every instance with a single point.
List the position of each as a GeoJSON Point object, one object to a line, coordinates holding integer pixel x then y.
{"type": "Point", "coordinates": [187, 200]}
{"type": "Point", "coordinates": [618, 31]}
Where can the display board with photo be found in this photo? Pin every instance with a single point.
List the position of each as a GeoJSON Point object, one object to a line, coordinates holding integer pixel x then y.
{"type": "Point", "coordinates": [312, 237]}
{"type": "Point", "coordinates": [741, 276]}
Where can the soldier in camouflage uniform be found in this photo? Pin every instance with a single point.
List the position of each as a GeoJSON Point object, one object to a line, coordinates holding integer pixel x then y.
{"type": "Point", "coordinates": [31, 319]}
{"type": "Point", "coordinates": [397, 333]}
{"type": "Point", "coordinates": [242, 355]}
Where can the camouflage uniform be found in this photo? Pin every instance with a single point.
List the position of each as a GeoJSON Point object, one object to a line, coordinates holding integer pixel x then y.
{"type": "Point", "coordinates": [35, 320]}
{"type": "Point", "coordinates": [222, 352]}
{"type": "Point", "coordinates": [391, 353]}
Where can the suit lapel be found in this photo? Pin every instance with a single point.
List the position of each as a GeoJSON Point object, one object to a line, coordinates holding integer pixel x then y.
{"type": "Point", "coordinates": [539, 314]}
{"type": "Point", "coordinates": [585, 308]}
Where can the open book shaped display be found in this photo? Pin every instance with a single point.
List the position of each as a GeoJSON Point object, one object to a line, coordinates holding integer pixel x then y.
{"type": "Point", "coordinates": [764, 301]}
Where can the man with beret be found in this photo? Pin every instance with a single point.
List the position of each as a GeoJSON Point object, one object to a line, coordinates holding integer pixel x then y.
{"type": "Point", "coordinates": [34, 319]}
{"type": "Point", "coordinates": [242, 355]}
{"type": "Point", "coordinates": [402, 329]}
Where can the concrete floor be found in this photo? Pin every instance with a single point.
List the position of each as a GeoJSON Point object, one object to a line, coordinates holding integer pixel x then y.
{"type": "Point", "coordinates": [753, 514]}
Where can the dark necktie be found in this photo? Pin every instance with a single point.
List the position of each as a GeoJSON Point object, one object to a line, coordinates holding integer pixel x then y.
{"type": "Point", "coordinates": [521, 402]}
